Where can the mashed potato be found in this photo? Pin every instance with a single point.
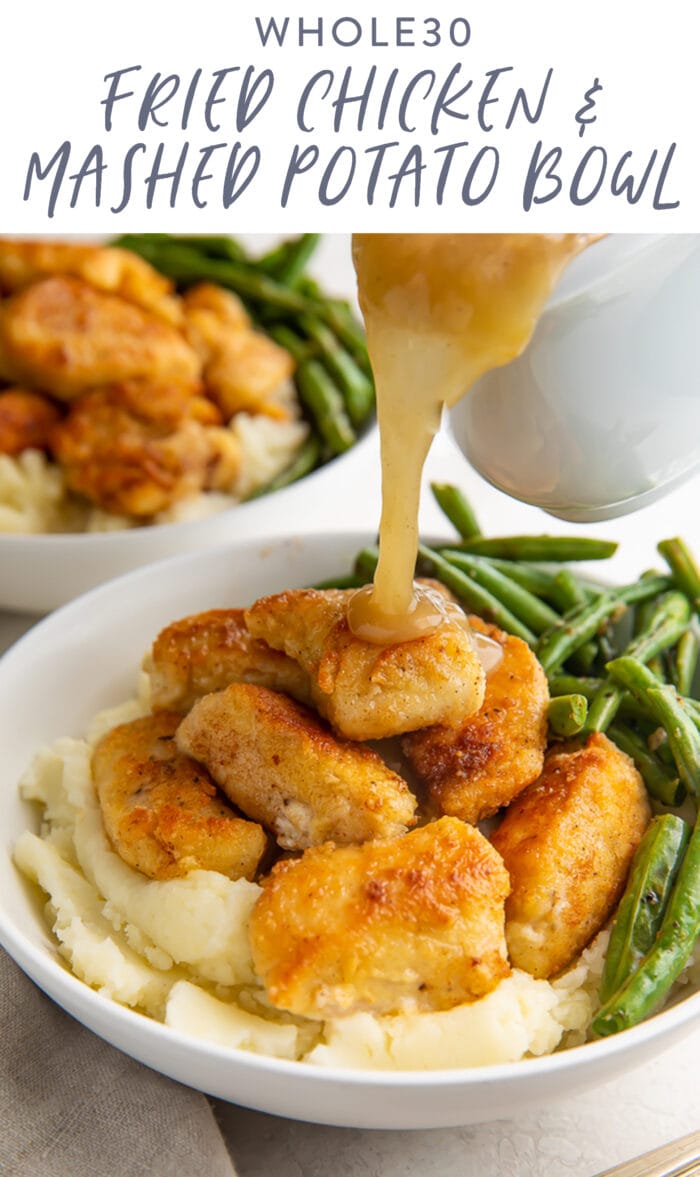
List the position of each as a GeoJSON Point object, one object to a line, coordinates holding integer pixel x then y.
{"type": "Point", "coordinates": [34, 498]}
{"type": "Point", "coordinates": [178, 950]}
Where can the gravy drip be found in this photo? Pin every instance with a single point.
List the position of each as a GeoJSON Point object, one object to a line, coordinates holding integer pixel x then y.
{"type": "Point", "coordinates": [440, 311]}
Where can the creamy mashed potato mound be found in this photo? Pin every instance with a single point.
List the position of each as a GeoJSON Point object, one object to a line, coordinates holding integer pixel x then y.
{"type": "Point", "coordinates": [178, 950]}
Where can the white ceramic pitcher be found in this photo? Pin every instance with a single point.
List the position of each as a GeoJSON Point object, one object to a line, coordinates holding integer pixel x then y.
{"type": "Point", "coordinates": [600, 415]}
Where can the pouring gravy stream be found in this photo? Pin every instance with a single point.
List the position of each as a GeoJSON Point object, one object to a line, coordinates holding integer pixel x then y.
{"type": "Point", "coordinates": [440, 311]}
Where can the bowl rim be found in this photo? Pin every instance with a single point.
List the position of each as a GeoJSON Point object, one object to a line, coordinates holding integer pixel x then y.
{"type": "Point", "coordinates": [54, 977]}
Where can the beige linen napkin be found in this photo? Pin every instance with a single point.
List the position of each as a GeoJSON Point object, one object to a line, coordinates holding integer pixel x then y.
{"type": "Point", "coordinates": [72, 1106]}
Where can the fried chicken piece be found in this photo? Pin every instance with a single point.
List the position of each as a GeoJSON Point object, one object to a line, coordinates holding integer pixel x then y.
{"type": "Point", "coordinates": [207, 652]}
{"type": "Point", "coordinates": [243, 369]}
{"type": "Point", "coordinates": [413, 922]}
{"type": "Point", "coordinates": [117, 271]}
{"type": "Point", "coordinates": [274, 759]}
{"type": "Point", "coordinates": [63, 336]}
{"type": "Point", "coordinates": [161, 811]}
{"type": "Point", "coordinates": [368, 692]}
{"type": "Point", "coordinates": [139, 457]}
{"type": "Point", "coordinates": [26, 420]}
{"type": "Point", "coordinates": [474, 769]}
{"type": "Point", "coordinates": [568, 842]}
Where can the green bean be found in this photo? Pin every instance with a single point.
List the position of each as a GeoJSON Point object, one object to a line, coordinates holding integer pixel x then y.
{"type": "Point", "coordinates": [576, 627]}
{"type": "Point", "coordinates": [683, 735]}
{"type": "Point", "coordinates": [355, 385]}
{"type": "Point", "coordinates": [292, 266]}
{"type": "Point", "coordinates": [271, 261]}
{"type": "Point", "coordinates": [366, 563]}
{"type": "Point", "coordinates": [665, 622]}
{"type": "Point", "coordinates": [662, 785]}
{"type": "Point", "coordinates": [644, 589]}
{"type": "Point", "coordinates": [686, 573]}
{"type": "Point", "coordinates": [529, 609]}
{"type": "Point", "coordinates": [573, 630]}
{"type": "Point", "coordinates": [685, 662]}
{"type": "Point", "coordinates": [571, 684]}
{"type": "Point", "coordinates": [341, 319]}
{"type": "Point", "coordinates": [646, 989]}
{"type": "Point", "coordinates": [554, 548]}
{"type": "Point", "coordinates": [567, 592]}
{"type": "Point", "coordinates": [304, 461]}
{"type": "Point", "coordinates": [567, 714]}
{"type": "Point", "coordinates": [536, 580]}
{"type": "Point", "coordinates": [604, 707]}
{"type": "Point", "coordinates": [692, 706]}
{"type": "Point", "coordinates": [320, 396]}
{"type": "Point", "coordinates": [318, 393]}
{"type": "Point", "coordinates": [456, 507]}
{"type": "Point", "coordinates": [641, 909]}
{"type": "Point", "coordinates": [185, 265]}
{"type": "Point", "coordinates": [216, 246]}
{"type": "Point", "coordinates": [477, 599]}
{"type": "Point", "coordinates": [668, 709]}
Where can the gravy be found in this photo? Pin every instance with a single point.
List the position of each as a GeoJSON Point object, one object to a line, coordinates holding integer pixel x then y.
{"type": "Point", "coordinates": [440, 310]}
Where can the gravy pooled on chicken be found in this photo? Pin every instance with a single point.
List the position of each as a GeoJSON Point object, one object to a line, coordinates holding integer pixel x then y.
{"type": "Point", "coordinates": [366, 691]}
{"type": "Point", "coordinates": [440, 309]}
{"type": "Point", "coordinates": [402, 924]}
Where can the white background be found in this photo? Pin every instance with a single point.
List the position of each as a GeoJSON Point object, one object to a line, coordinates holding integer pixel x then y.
{"type": "Point", "coordinates": [56, 56]}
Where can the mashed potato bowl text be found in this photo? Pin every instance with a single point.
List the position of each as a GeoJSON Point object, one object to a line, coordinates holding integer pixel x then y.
{"type": "Point", "coordinates": [82, 660]}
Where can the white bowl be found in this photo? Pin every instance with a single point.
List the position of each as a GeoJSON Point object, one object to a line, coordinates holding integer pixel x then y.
{"type": "Point", "coordinates": [41, 572]}
{"type": "Point", "coordinates": [600, 415]}
{"type": "Point", "coordinates": [84, 658]}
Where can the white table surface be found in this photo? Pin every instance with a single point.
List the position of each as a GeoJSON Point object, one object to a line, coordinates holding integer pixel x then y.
{"type": "Point", "coordinates": [577, 1137]}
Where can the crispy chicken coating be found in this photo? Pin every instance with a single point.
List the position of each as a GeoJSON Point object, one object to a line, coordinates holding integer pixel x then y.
{"type": "Point", "coordinates": [206, 652]}
{"type": "Point", "coordinates": [368, 692]}
{"type": "Point", "coordinates": [474, 769]}
{"type": "Point", "coordinates": [63, 336]}
{"type": "Point", "coordinates": [162, 812]}
{"type": "Point", "coordinates": [243, 369]}
{"type": "Point", "coordinates": [276, 761]}
{"type": "Point", "coordinates": [118, 271]}
{"type": "Point", "coordinates": [567, 843]}
{"type": "Point", "coordinates": [26, 420]}
{"type": "Point", "coordinates": [406, 923]}
{"type": "Point", "coordinates": [137, 456]}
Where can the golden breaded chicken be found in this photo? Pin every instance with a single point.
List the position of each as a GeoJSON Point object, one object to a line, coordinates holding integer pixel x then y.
{"type": "Point", "coordinates": [26, 420]}
{"type": "Point", "coordinates": [406, 923]}
{"type": "Point", "coordinates": [162, 812]}
{"type": "Point", "coordinates": [368, 692]}
{"type": "Point", "coordinates": [128, 458]}
{"type": "Point", "coordinates": [64, 337]}
{"type": "Point", "coordinates": [211, 313]}
{"type": "Point", "coordinates": [567, 843]}
{"type": "Point", "coordinates": [208, 651]}
{"type": "Point", "coordinates": [117, 271]}
{"type": "Point", "coordinates": [243, 369]}
{"type": "Point", "coordinates": [274, 759]}
{"type": "Point", "coordinates": [474, 769]}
